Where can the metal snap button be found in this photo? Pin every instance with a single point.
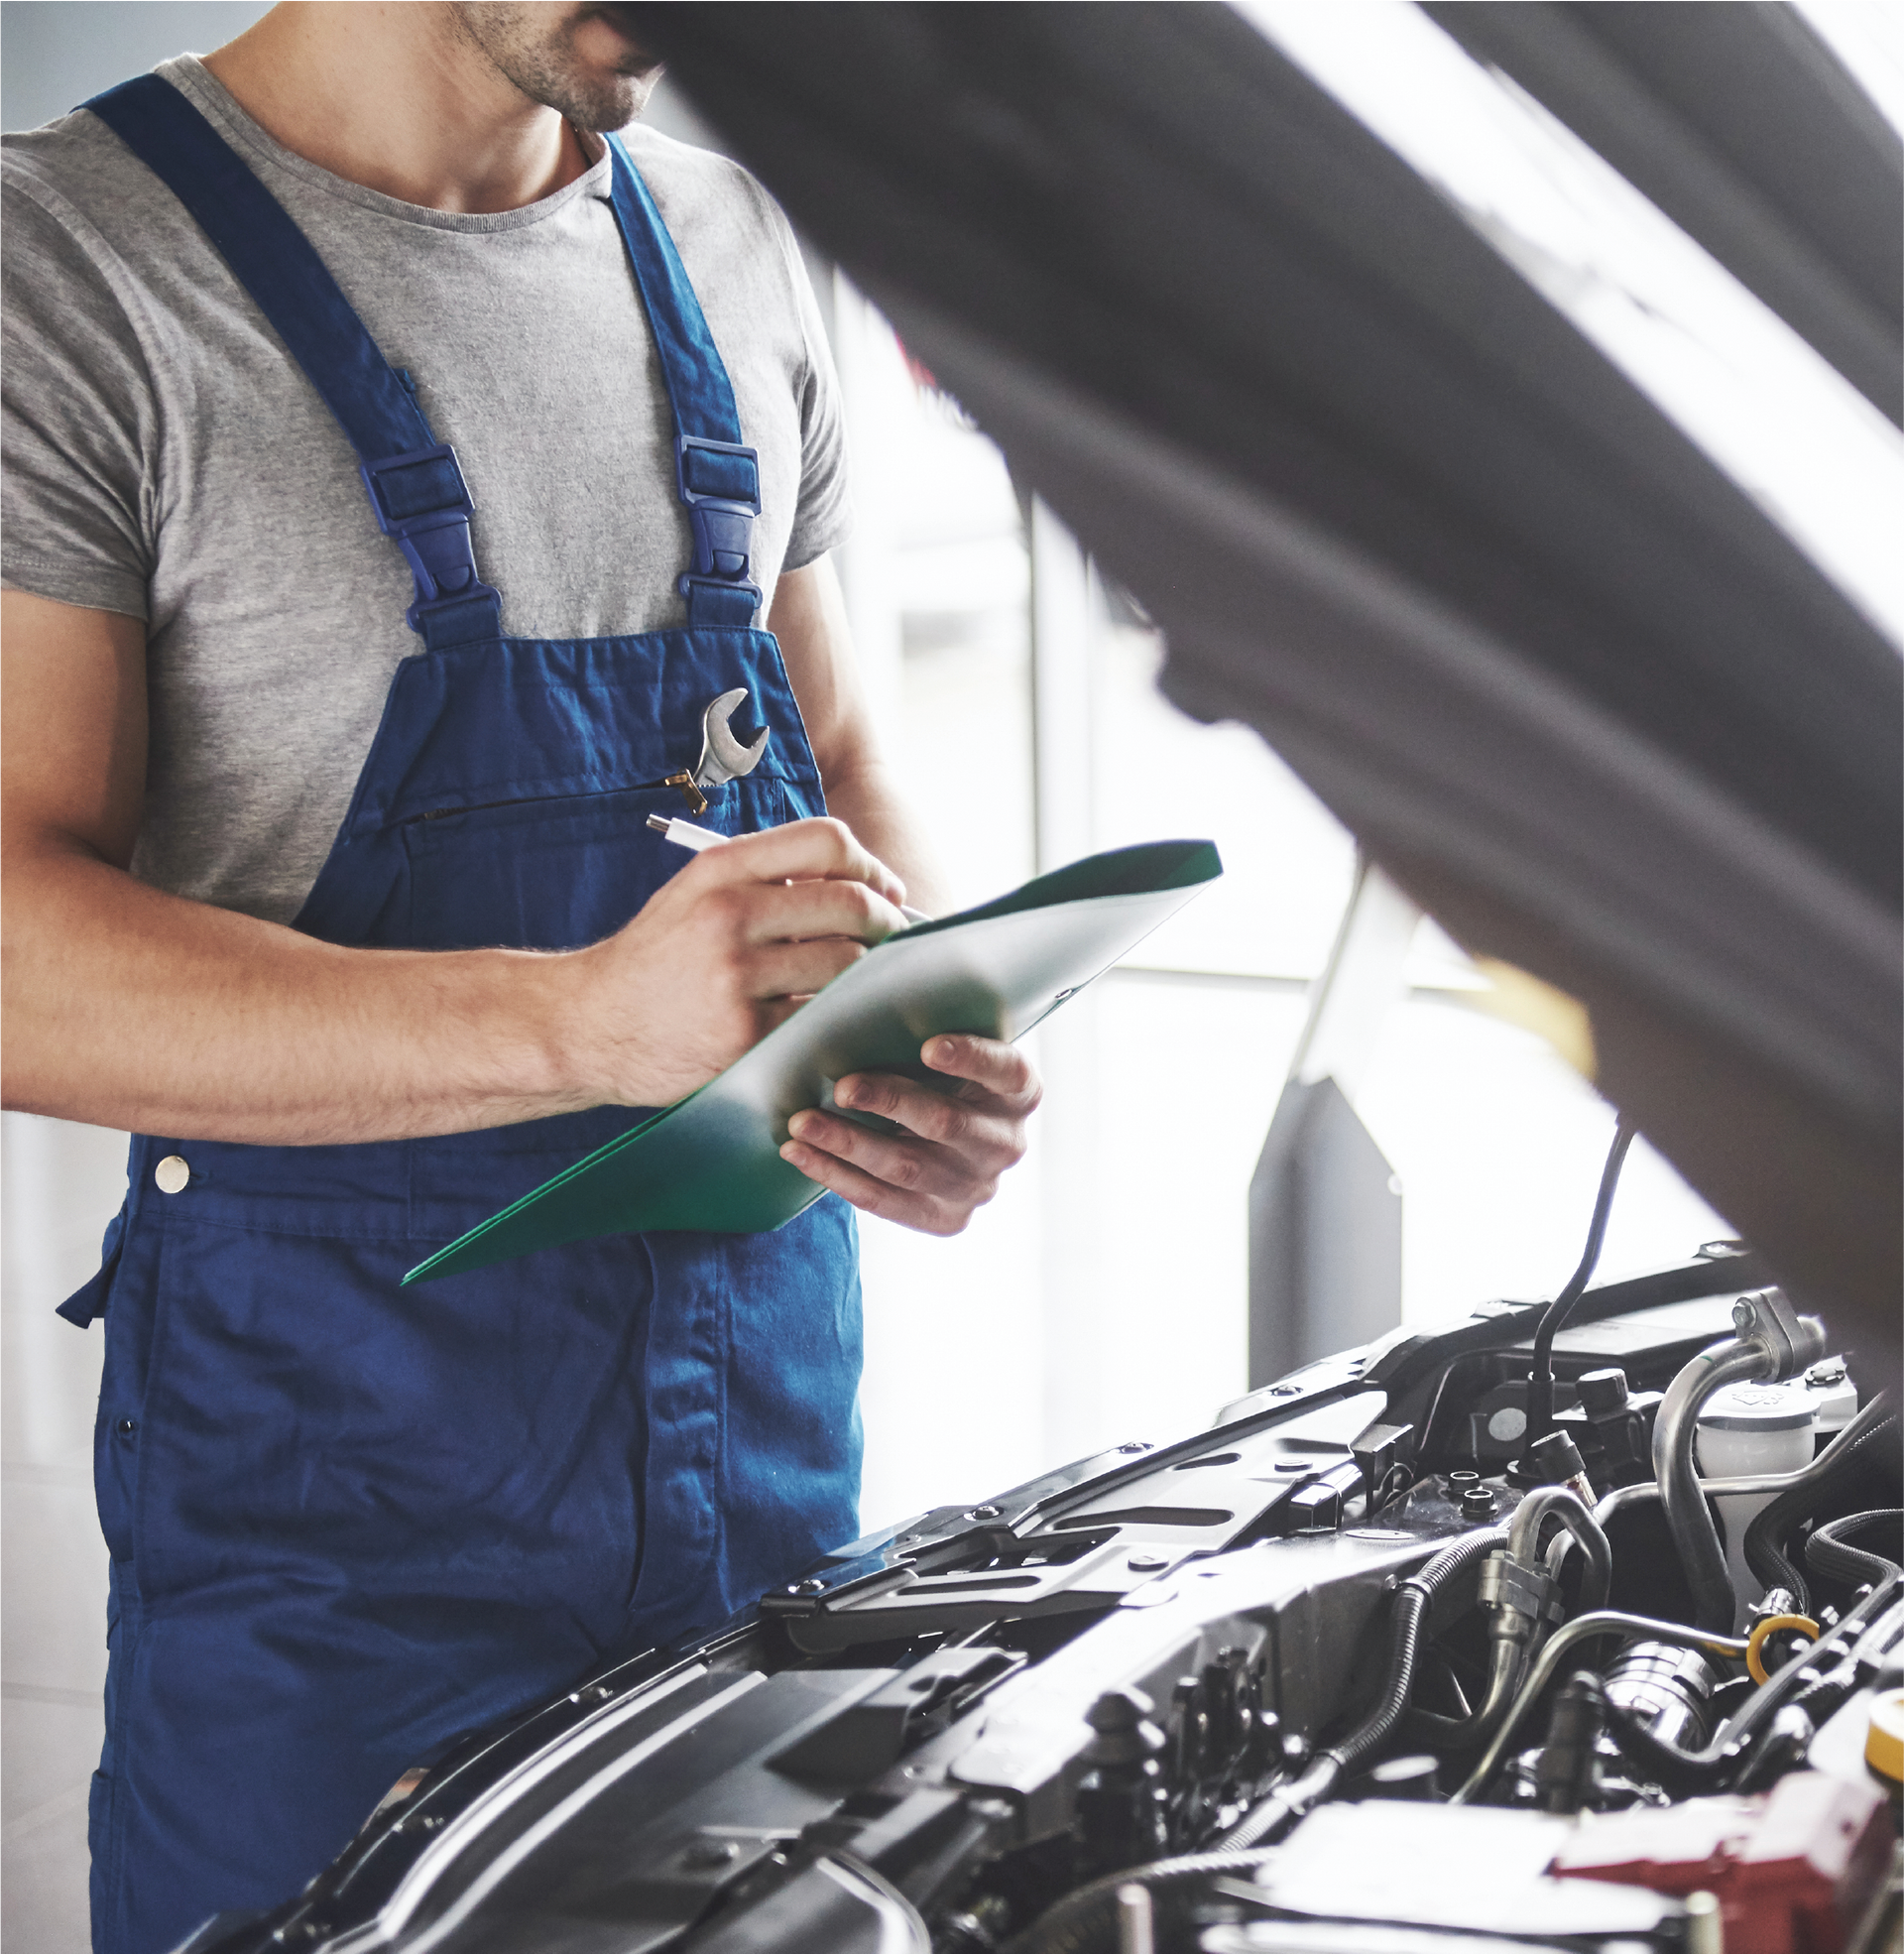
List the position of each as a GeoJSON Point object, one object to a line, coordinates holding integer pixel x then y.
{"type": "Point", "coordinates": [171, 1173]}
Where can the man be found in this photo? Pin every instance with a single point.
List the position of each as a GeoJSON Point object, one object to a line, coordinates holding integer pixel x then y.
{"type": "Point", "coordinates": [357, 922]}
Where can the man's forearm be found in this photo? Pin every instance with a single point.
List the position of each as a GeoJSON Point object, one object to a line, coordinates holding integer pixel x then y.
{"type": "Point", "coordinates": [127, 1007]}
{"type": "Point", "coordinates": [869, 802]}
{"type": "Point", "coordinates": [809, 619]}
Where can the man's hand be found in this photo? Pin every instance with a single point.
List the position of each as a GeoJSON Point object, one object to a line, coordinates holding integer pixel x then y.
{"type": "Point", "coordinates": [955, 1147]}
{"type": "Point", "coordinates": [132, 1008]}
{"type": "Point", "coordinates": [722, 952]}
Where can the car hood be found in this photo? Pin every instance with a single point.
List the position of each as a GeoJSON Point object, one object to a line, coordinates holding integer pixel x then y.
{"type": "Point", "coordinates": [1560, 674]}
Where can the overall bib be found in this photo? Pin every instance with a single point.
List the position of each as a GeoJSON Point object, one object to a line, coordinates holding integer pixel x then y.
{"type": "Point", "coordinates": [349, 1522]}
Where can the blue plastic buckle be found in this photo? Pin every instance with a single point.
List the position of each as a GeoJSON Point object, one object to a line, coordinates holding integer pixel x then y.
{"type": "Point", "coordinates": [422, 500]}
{"type": "Point", "coordinates": [720, 485]}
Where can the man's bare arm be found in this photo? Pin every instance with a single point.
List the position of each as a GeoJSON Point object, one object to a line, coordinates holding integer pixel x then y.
{"type": "Point", "coordinates": [128, 1007]}
{"type": "Point", "coordinates": [808, 617]}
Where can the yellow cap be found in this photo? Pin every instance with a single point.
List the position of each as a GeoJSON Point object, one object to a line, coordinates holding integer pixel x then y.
{"type": "Point", "coordinates": [1884, 1746]}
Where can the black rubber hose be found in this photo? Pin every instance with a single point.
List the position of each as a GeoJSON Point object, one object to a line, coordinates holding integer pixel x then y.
{"type": "Point", "coordinates": [1774, 1570]}
{"type": "Point", "coordinates": [1413, 1600]}
{"type": "Point", "coordinates": [1772, 1527]}
{"type": "Point", "coordinates": [1827, 1553]}
{"type": "Point", "coordinates": [1414, 1603]}
{"type": "Point", "coordinates": [1540, 1377]}
{"type": "Point", "coordinates": [1683, 1773]}
{"type": "Point", "coordinates": [1404, 1648]}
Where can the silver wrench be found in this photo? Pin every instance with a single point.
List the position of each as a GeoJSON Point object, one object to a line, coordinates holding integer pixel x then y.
{"type": "Point", "coordinates": [723, 757]}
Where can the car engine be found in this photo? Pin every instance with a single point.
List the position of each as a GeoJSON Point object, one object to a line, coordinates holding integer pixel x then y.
{"type": "Point", "coordinates": [1417, 1651]}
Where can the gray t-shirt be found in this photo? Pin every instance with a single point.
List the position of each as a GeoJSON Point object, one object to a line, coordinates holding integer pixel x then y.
{"type": "Point", "coordinates": [165, 459]}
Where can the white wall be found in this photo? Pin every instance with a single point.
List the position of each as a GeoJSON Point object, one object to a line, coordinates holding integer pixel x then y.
{"type": "Point", "coordinates": [58, 1186]}
{"type": "Point", "coordinates": [55, 53]}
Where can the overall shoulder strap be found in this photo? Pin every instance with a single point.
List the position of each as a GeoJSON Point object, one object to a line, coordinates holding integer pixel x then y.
{"type": "Point", "coordinates": [717, 476]}
{"type": "Point", "coordinates": [415, 484]}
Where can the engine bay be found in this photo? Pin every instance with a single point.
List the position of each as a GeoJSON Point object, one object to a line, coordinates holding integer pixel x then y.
{"type": "Point", "coordinates": [1358, 1667]}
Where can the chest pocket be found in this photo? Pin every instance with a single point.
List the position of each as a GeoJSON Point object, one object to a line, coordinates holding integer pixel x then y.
{"type": "Point", "coordinates": [555, 874]}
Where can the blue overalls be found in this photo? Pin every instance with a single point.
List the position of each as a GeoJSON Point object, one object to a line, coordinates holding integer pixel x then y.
{"type": "Point", "coordinates": [350, 1521]}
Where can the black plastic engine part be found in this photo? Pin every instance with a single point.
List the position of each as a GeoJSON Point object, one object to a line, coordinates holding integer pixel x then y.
{"type": "Point", "coordinates": [1612, 1426]}
{"type": "Point", "coordinates": [1414, 1603]}
{"type": "Point", "coordinates": [1120, 1803]}
{"type": "Point", "coordinates": [1557, 1459]}
{"type": "Point", "coordinates": [1564, 1776]}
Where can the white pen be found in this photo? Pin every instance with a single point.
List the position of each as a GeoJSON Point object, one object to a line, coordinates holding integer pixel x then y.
{"type": "Point", "coordinates": [684, 835]}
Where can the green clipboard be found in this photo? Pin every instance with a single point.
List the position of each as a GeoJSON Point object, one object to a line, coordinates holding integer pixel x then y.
{"type": "Point", "coordinates": [712, 1159]}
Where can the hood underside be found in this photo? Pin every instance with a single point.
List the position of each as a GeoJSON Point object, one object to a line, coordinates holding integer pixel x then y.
{"type": "Point", "coordinates": [1560, 674]}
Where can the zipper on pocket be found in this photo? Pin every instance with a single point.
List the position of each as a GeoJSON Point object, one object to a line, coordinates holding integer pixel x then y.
{"type": "Point", "coordinates": [534, 799]}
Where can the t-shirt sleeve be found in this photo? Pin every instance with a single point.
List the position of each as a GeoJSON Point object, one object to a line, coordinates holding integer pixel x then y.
{"type": "Point", "coordinates": [824, 515]}
{"type": "Point", "coordinates": [75, 412]}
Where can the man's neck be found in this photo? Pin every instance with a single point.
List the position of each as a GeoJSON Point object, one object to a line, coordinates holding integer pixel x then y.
{"type": "Point", "coordinates": [394, 97]}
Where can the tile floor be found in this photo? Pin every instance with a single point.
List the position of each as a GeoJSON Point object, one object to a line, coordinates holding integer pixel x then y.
{"type": "Point", "coordinates": [60, 1185]}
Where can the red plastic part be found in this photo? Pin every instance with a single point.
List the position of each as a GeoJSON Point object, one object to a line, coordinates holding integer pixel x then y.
{"type": "Point", "coordinates": [1792, 1870]}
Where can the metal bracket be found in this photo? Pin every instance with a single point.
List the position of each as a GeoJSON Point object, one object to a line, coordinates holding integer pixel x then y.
{"type": "Point", "coordinates": [1793, 1342]}
{"type": "Point", "coordinates": [1528, 1591]}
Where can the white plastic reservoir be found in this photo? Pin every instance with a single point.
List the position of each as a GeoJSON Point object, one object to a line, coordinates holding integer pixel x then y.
{"type": "Point", "coordinates": [1834, 1400]}
{"type": "Point", "coordinates": [1752, 1428]}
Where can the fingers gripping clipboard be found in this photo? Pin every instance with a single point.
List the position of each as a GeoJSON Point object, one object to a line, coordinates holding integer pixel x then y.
{"type": "Point", "coordinates": [712, 1161]}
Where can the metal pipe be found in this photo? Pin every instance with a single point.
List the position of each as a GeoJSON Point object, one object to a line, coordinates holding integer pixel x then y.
{"type": "Point", "coordinates": [1136, 1921]}
{"type": "Point", "coordinates": [1750, 1714]}
{"type": "Point", "coordinates": [1520, 1612]}
{"type": "Point", "coordinates": [1874, 1414]}
{"type": "Point", "coordinates": [1503, 1677]}
{"type": "Point", "coordinates": [1561, 1502]}
{"type": "Point", "coordinates": [1688, 1517]}
{"type": "Point", "coordinates": [1585, 1627]}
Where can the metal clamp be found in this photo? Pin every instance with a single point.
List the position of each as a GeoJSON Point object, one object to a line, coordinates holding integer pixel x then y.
{"type": "Point", "coordinates": [1530, 1591]}
{"type": "Point", "coordinates": [1793, 1342]}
